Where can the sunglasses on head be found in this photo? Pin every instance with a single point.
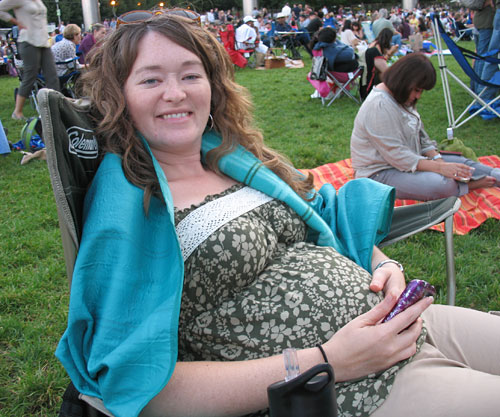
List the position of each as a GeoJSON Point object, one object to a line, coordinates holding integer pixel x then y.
{"type": "Point", "coordinates": [137, 16]}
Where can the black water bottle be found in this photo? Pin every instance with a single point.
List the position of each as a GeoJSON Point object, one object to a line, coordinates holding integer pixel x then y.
{"type": "Point", "coordinates": [310, 394]}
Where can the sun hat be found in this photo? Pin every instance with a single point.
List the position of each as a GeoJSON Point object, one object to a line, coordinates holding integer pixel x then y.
{"type": "Point", "coordinates": [247, 19]}
{"type": "Point", "coordinates": [280, 14]}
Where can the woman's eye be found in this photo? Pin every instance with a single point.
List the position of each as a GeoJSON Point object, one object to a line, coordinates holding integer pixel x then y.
{"type": "Point", "coordinates": [150, 81]}
{"type": "Point", "coordinates": [192, 77]}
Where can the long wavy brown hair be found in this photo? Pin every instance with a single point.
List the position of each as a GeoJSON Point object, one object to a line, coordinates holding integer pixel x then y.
{"type": "Point", "coordinates": [230, 106]}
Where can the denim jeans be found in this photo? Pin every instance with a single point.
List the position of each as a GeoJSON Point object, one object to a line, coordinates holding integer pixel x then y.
{"type": "Point", "coordinates": [396, 40]}
{"type": "Point", "coordinates": [482, 44]}
{"type": "Point", "coordinates": [490, 69]}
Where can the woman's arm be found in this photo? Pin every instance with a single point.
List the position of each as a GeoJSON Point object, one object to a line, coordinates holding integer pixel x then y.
{"type": "Point", "coordinates": [223, 388]}
{"type": "Point", "coordinates": [380, 64]}
{"type": "Point", "coordinates": [447, 169]}
{"type": "Point", "coordinates": [5, 6]}
{"type": "Point", "coordinates": [361, 347]}
{"type": "Point", "coordinates": [392, 50]}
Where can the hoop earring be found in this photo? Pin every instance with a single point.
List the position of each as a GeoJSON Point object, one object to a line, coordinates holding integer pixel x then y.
{"type": "Point", "coordinates": [211, 121]}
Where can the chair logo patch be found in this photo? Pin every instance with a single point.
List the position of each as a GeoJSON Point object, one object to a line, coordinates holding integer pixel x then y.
{"type": "Point", "coordinates": [82, 142]}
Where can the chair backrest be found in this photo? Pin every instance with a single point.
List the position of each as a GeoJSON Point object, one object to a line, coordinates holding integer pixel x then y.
{"type": "Point", "coordinates": [461, 55]}
{"type": "Point", "coordinates": [227, 38]}
{"type": "Point", "coordinates": [72, 159]}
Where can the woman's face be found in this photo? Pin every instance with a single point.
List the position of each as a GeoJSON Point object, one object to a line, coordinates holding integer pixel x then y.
{"type": "Point", "coordinates": [415, 95]}
{"type": "Point", "coordinates": [168, 95]}
{"type": "Point", "coordinates": [77, 38]}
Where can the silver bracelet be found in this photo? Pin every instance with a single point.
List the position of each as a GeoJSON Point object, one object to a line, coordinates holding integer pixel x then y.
{"type": "Point", "coordinates": [391, 261]}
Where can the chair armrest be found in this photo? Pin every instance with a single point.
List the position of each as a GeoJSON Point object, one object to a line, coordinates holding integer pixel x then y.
{"type": "Point", "coordinates": [409, 220]}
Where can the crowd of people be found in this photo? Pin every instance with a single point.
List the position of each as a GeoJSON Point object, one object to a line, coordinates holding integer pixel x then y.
{"type": "Point", "coordinates": [344, 37]}
{"type": "Point", "coordinates": [299, 23]}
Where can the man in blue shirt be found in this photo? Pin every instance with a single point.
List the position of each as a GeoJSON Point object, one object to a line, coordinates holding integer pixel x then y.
{"type": "Point", "coordinates": [291, 40]}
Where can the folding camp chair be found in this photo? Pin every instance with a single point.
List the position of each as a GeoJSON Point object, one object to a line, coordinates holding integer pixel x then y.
{"type": "Point", "coordinates": [460, 34]}
{"type": "Point", "coordinates": [460, 54]}
{"type": "Point", "coordinates": [227, 37]}
{"type": "Point", "coordinates": [343, 83]}
{"type": "Point", "coordinates": [247, 54]}
{"type": "Point", "coordinates": [287, 41]}
{"type": "Point", "coordinates": [73, 159]}
{"type": "Point", "coordinates": [336, 83]}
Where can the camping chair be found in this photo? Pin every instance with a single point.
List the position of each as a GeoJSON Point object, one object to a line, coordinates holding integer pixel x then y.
{"type": "Point", "coordinates": [73, 159]}
{"type": "Point", "coordinates": [68, 80]}
{"type": "Point", "coordinates": [460, 33]}
{"type": "Point", "coordinates": [342, 83]}
{"type": "Point", "coordinates": [336, 83]}
{"type": "Point", "coordinates": [460, 54]}
{"type": "Point", "coordinates": [227, 37]}
{"type": "Point", "coordinates": [248, 54]}
{"type": "Point", "coordinates": [287, 41]}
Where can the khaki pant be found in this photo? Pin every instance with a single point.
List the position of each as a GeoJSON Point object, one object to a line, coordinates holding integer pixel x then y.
{"type": "Point", "coordinates": [457, 372]}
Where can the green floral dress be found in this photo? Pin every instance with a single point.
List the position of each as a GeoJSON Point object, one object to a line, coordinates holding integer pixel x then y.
{"type": "Point", "coordinates": [254, 287]}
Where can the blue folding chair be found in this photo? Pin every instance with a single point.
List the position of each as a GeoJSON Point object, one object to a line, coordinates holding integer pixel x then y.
{"type": "Point", "coordinates": [461, 54]}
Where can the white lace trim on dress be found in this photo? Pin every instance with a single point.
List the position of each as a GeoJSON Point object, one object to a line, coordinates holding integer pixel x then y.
{"type": "Point", "coordinates": [203, 221]}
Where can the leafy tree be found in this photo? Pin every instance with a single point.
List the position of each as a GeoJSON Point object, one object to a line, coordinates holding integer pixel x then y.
{"type": "Point", "coordinates": [71, 11]}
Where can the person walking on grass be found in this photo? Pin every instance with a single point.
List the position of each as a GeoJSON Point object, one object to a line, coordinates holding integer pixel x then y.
{"type": "Point", "coordinates": [34, 46]}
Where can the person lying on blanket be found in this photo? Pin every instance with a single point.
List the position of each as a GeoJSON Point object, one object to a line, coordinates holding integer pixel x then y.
{"type": "Point", "coordinates": [389, 143]}
{"type": "Point", "coordinates": [204, 255]}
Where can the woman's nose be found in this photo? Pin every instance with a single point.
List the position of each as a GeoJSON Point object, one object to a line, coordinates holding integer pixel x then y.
{"type": "Point", "coordinates": [173, 91]}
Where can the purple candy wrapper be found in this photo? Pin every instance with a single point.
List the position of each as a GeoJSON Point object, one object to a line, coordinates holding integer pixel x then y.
{"type": "Point", "coordinates": [414, 291]}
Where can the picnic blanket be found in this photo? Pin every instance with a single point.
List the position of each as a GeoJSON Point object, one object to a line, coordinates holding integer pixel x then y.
{"type": "Point", "coordinates": [477, 206]}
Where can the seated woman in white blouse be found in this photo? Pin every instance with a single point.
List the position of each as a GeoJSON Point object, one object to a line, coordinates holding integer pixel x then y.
{"type": "Point", "coordinates": [65, 49]}
{"type": "Point", "coordinates": [389, 143]}
{"type": "Point", "coordinates": [347, 36]}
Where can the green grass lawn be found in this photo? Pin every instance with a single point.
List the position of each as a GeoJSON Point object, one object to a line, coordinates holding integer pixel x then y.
{"type": "Point", "coordinates": [33, 284]}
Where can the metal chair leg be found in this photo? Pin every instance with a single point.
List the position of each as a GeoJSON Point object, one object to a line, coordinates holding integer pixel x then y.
{"type": "Point", "coordinates": [450, 260]}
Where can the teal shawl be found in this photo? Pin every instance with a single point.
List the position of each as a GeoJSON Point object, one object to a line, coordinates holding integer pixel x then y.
{"type": "Point", "coordinates": [121, 341]}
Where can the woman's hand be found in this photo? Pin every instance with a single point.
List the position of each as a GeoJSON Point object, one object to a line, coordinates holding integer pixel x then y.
{"type": "Point", "coordinates": [389, 279]}
{"type": "Point", "coordinates": [455, 170]}
{"type": "Point", "coordinates": [17, 23]}
{"type": "Point", "coordinates": [393, 49]}
{"type": "Point", "coordinates": [365, 346]}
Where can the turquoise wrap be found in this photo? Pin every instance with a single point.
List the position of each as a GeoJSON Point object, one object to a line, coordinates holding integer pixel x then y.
{"type": "Point", "coordinates": [121, 341]}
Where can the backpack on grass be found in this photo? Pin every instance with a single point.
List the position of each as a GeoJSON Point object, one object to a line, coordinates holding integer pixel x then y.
{"type": "Point", "coordinates": [30, 136]}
